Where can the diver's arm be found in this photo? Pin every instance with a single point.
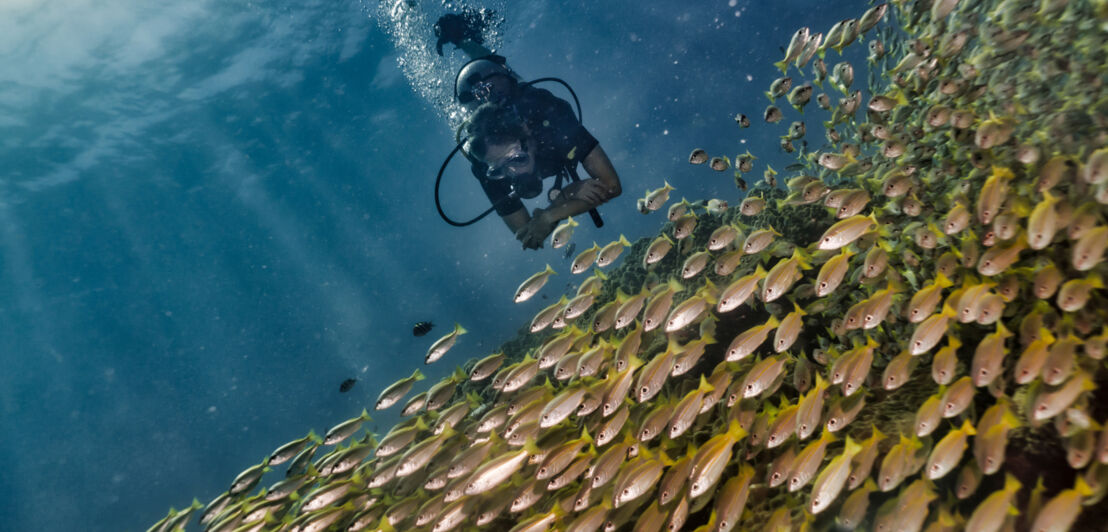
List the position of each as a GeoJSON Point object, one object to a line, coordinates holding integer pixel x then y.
{"type": "Point", "coordinates": [463, 30]}
{"type": "Point", "coordinates": [599, 167]}
{"type": "Point", "coordinates": [587, 194]}
{"type": "Point", "coordinates": [516, 220]}
{"type": "Point", "coordinates": [530, 230]}
{"type": "Point", "coordinates": [541, 223]}
{"type": "Point", "coordinates": [578, 198]}
{"type": "Point", "coordinates": [575, 199]}
{"type": "Point", "coordinates": [473, 50]}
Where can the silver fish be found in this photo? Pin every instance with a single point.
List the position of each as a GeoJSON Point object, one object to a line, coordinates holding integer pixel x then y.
{"type": "Point", "coordinates": [948, 452]}
{"type": "Point", "coordinates": [832, 479]}
{"type": "Point", "coordinates": [532, 285]}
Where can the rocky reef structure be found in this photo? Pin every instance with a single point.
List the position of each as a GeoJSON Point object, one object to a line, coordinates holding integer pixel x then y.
{"type": "Point", "coordinates": [910, 334]}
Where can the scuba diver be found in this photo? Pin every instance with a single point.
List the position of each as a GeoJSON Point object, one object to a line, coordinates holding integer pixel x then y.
{"type": "Point", "coordinates": [517, 135]}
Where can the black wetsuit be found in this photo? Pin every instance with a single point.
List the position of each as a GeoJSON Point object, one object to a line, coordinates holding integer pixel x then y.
{"type": "Point", "coordinates": [561, 143]}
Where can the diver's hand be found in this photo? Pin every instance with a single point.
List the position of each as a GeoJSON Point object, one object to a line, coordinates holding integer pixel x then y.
{"type": "Point", "coordinates": [451, 28]}
{"type": "Point", "coordinates": [537, 229]}
{"type": "Point", "coordinates": [591, 191]}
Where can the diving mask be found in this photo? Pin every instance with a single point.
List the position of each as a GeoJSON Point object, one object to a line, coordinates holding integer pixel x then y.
{"type": "Point", "coordinates": [513, 165]}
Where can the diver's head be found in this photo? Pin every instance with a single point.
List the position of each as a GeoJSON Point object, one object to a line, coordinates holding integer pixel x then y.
{"type": "Point", "coordinates": [513, 160]}
{"type": "Point", "coordinates": [509, 159]}
{"type": "Point", "coordinates": [483, 81]}
{"type": "Point", "coordinates": [499, 139]}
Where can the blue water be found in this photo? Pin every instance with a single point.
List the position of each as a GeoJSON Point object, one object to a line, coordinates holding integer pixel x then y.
{"type": "Point", "coordinates": [212, 213]}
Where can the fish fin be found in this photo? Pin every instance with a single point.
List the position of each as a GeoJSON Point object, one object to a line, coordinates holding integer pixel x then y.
{"type": "Point", "coordinates": [384, 525]}
{"type": "Point", "coordinates": [852, 447]}
{"type": "Point", "coordinates": [735, 431]}
{"type": "Point", "coordinates": [312, 436]}
{"type": "Point", "coordinates": [967, 427]}
{"type": "Point", "coordinates": [704, 386]}
{"type": "Point", "coordinates": [1082, 487]}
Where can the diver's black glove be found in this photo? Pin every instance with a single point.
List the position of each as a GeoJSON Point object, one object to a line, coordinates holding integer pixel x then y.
{"type": "Point", "coordinates": [450, 28]}
{"type": "Point", "coordinates": [453, 28]}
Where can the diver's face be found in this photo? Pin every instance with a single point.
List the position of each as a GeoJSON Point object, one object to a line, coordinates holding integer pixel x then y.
{"type": "Point", "coordinates": [511, 160]}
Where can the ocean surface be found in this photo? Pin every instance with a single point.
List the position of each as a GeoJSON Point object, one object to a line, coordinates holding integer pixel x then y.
{"type": "Point", "coordinates": [213, 213]}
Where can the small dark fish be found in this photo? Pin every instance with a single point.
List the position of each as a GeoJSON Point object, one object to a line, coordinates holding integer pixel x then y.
{"type": "Point", "coordinates": [347, 385]}
{"type": "Point", "coordinates": [569, 250]}
{"type": "Point", "coordinates": [794, 167]}
{"type": "Point", "coordinates": [422, 328]}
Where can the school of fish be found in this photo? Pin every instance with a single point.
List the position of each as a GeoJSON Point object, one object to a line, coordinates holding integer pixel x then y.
{"type": "Point", "coordinates": [931, 357]}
